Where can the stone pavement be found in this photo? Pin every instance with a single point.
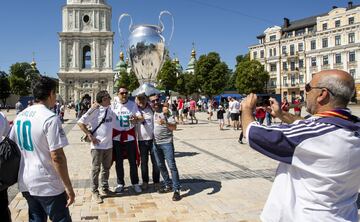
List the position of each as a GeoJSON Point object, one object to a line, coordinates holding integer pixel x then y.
{"type": "Point", "coordinates": [221, 179]}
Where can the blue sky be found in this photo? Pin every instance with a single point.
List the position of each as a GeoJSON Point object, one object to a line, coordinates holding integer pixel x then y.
{"type": "Point", "coordinates": [227, 27]}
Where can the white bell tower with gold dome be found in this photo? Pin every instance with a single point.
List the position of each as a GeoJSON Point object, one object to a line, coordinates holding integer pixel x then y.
{"type": "Point", "coordinates": [86, 48]}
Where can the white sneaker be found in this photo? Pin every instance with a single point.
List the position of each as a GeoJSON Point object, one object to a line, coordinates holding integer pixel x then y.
{"type": "Point", "coordinates": [137, 188]}
{"type": "Point", "coordinates": [119, 188]}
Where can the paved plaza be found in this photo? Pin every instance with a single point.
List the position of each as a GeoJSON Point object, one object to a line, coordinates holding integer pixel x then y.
{"type": "Point", "coordinates": [221, 180]}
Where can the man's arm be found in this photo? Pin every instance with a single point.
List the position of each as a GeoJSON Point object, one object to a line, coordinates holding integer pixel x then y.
{"type": "Point", "coordinates": [247, 107]}
{"type": "Point", "coordinates": [60, 164]}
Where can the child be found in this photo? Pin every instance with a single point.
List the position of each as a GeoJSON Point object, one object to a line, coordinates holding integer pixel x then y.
{"type": "Point", "coordinates": [220, 116]}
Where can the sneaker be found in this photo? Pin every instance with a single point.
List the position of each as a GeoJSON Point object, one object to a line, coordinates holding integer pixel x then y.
{"type": "Point", "coordinates": [106, 191]}
{"type": "Point", "coordinates": [137, 188]}
{"type": "Point", "coordinates": [119, 188]}
{"type": "Point", "coordinates": [241, 142]}
{"type": "Point", "coordinates": [176, 196]}
{"type": "Point", "coordinates": [97, 198]}
{"type": "Point", "coordinates": [157, 186]}
{"type": "Point", "coordinates": [144, 186]}
{"type": "Point", "coordinates": [165, 190]}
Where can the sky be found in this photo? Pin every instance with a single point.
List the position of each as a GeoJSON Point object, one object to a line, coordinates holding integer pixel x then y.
{"type": "Point", "coordinates": [229, 27]}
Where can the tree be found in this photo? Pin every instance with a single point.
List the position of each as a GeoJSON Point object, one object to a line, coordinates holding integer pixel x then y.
{"type": "Point", "coordinates": [251, 76]}
{"type": "Point", "coordinates": [5, 89]}
{"type": "Point", "coordinates": [124, 80]}
{"type": "Point", "coordinates": [22, 77]}
{"type": "Point", "coordinates": [166, 78]}
{"type": "Point", "coordinates": [211, 74]}
{"type": "Point", "coordinates": [186, 84]}
{"type": "Point", "coordinates": [133, 82]}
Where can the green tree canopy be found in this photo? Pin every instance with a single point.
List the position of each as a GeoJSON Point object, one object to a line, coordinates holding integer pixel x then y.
{"type": "Point", "coordinates": [5, 89]}
{"type": "Point", "coordinates": [133, 81]}
{"type": "Point", "coordinates": [251, 76]}
{"type": "Point", "coordinates": [211, 74]}
{"type": "Point", "coordinates": [166, 79]}
{"type": "Point", "coordinates": [22, 77]}
{"type": "Point", "coordinates": [123, 80]}
{"type": "Point", "coordinates": [186, 84]}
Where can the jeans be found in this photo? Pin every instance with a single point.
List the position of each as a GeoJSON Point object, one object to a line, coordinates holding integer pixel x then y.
{"type": "Point", "coordinates": [100, 158]}
{"type": "Point", "coordinates": [52, 206]}
{"type": "Point", "coordinates": [130, 149]}
{"type": "Point", "coordinates": [4, 209]}
{"type": "Point", "coordinates": [166, 152]}
{"type": "Point", "coordinates": [146, 147]}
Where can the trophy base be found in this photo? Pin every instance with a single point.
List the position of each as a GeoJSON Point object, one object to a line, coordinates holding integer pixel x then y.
{"type": "Point", "coordinates": [146, 89]}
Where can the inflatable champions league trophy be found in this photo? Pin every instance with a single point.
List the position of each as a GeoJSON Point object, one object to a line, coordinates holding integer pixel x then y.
{"type": "Point", "coordinates": [146, 50]}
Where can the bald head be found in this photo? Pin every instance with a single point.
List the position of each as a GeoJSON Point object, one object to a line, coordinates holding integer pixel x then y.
{"type": "Point", "coordinates": [339, 82]}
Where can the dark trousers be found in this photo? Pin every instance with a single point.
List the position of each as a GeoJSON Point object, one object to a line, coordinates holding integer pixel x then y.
{"type": "Point", "coordinates": [4, 209]}
{"type": "Point", "coordinates": [130, 149]}
{"type": "Point", "coordinates": [52, 206]}
{"type": "Point", "coordinates": [146, 148]}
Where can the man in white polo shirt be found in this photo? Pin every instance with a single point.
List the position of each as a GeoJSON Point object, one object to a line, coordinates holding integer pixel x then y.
{"type": "Point", "coordinates": [43, 175]}
{"type": "Point", "coordinates": [101, 120]}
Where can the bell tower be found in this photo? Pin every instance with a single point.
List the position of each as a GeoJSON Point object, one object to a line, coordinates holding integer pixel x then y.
{"type": "Point", "coordinates": [86, 47]}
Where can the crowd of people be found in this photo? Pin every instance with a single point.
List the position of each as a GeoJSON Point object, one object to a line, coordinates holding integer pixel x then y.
{"type": "Point", "coordinates": [317, 178]}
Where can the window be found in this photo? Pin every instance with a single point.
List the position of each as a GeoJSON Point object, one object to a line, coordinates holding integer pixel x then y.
{"type": "Point", "coordinates": [337, 23]}
{"type": "Point", "coordinates": [292, 50]}
{"type": "Point", "coordinates": [300, 47]}
{"type": "Point", "coordinates": [352, 56]}
{"type": "Point", "coordinates": [351, 20]}
{"type": "Point", "coordinates": [352, 72]}
{"type": "Point", "coordinates": [261, 53]}
{"type": "Point", "coordinates": [283, 50]}
{"type": "Point", "coordinates": [274, 50]}
{"type": "Point", "coordinates": [273, 82]}
{"type": "Point", "coordinates": [310, 29]}
{"type": "Point", "coordinates": [270, 52]}
{"type": "Point", "coordinates": [324, 42]}
{"type": "Point", "coordinates": [272, 38]}
{"type": "Point", "coordinates": [301, 79]}
{"type": "Point", "coordinates": [313, 61]}
{"type": "Point", "coordinates": [273, 67]}
{"type": "Point", "coordinates": [292, 80]}
{"type": "Point", "coordinates": [338, 40]}
{"type": "Point", "coordinates": [299, 32]}
{"type": "Point", "coordinates": [86, 57]}
{"type": "Point", "coordinates": [285, 66]}
{"type": "Point", "coordinates": [324, 26]}
{"type": "Point", "coordinates": [313, 44]}
{"type": "Point", "coordinates": [285, 81]}
{"type": "Point", "coordinates": [352, 37]}
{"type": "Point", "coordinates": [325, 60]}
{"type": "Point", "coordinates": [255, 55]}
{"type": "Point", "coordinates": [337, 58]}
{"type": "Point", "coordinates": [301, 63]}
{"type": "Point", "coordinates": [292, 66]}
{"type": "Point", "coordinates": [289, 34]}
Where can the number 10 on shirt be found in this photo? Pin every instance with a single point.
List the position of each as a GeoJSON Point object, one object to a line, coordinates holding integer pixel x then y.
{"type": "Point", "coordinates": [23, 130]}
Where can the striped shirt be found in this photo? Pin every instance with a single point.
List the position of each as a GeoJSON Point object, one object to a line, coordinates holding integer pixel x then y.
{"type": "Point", "coordinates": [318, 177]}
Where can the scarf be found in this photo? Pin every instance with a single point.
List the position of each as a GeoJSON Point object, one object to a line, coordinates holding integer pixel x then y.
{"type": "Point", "coordinates": [340, 113]}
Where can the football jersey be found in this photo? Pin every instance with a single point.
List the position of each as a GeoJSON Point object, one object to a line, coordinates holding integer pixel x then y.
{"type": "Point", "coordinates": [38, 131]}
{"type": "Point", "coordinates": [93, 117]}
{"type": "Point", "coordinates": [123, 112]}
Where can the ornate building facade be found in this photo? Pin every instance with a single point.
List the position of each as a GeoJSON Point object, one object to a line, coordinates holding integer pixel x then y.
{"type": "Point", "coordinates": [295, 51]}
{"type": "Point", "coordinates": [86, 48]}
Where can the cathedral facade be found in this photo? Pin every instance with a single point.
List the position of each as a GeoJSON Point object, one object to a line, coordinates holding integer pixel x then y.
{"type": "Point", "coordinates": [86, 48]}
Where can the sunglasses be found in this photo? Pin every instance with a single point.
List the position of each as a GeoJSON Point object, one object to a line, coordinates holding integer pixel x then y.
{"type": "Point", "coordinates": [123, 93]}
{"type": "Point", "coordinates": [308, 88]}
{"type": "Point", "coordinates": [155, 100]}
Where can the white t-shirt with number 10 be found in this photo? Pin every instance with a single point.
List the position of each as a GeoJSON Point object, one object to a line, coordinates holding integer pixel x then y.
{"type": "Point", "coordinates": [38, 131]}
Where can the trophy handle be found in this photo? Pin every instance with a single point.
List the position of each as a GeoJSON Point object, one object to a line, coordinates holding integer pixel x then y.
{"type": "Point", "coordinates": [130, 26]}
{"type": "Point", "coordinates": [162, 25]}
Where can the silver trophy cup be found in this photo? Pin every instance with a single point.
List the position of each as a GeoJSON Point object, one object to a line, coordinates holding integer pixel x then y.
{"type": "Point", "coordinates": [146, 50]}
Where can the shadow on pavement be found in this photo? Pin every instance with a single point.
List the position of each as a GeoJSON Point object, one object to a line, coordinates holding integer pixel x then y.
{"type": "Point", "coordinates": [195, 186]}
{"type": "Point", "coordinates": [185, 154]}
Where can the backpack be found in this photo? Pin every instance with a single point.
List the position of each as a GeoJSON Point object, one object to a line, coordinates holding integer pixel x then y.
{"type": "Point", "coordinates": [9, 163]}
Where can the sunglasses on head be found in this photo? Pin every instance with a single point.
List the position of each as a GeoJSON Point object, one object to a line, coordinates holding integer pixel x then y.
{"type": "Point", "coordinates": [123, 93]}
{"type": "Point", "coordinates": [308, 88]}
